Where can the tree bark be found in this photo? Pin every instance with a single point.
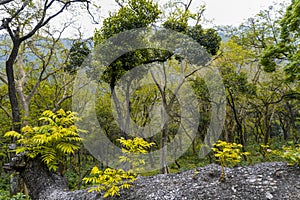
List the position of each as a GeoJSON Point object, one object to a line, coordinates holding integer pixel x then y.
{"type": "Point", "coordinates": [45, 185]}
{"type": "Point", "coordinates": [12, 86]}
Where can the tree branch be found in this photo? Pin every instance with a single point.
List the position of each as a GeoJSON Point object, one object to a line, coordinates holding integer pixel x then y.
{"type": "Point", "coordinates": [44, 21]}
{"type": "Point", "coordinates": [2, 2]}
{"type": "Point", "coordinates": [119, 3]}
{"type": "Point", "coordinates": [6, 111]}
{"type": "Point", "coordinates": [207, 64]}
{"type": "Point", "coordinates": [3, 79]}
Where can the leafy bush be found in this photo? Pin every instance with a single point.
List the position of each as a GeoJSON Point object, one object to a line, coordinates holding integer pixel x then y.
{"type": "Point", "coordinates": [290, 153]}
{"type": "Point", "coordinates": [228, 154]}
{"type": "Point", "coordinates": [265, 151]}
{"type": "Point", "coordinates": [4, 181]}
{"type": "Point", "coordinates": [112, 180]}
{"type": "Point", "coordinates": [132, 149]}
{"type": "Point", "coordinates": [57, 137]}
{"type": "Point", "coordinates": [4, 195]}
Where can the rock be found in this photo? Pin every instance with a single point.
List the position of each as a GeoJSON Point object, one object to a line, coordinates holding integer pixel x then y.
{"type": "Point", "coordinates": [269, 195]}
{"type": "Point", "coordinates": [251, 182]}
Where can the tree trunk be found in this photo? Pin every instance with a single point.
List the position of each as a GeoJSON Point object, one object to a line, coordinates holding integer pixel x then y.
{"type": "Point", "coordinates": [163, 157]}
{"type": "Point", "coordinates": [9, 67]}
{"type": "Point", "coordinates": [12, 93]}
{"type": "Point", "coordinates": [266, 125]}
{"type": "Point", "coordinates": [45, 185]}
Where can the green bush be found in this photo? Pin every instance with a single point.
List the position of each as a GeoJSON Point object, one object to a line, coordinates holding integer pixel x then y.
{"type": "Point", "coordinates": [290, 153]}
{"type": "Point", "coordinates": [4, 195]}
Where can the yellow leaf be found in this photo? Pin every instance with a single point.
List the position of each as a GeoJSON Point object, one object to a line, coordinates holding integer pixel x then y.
{"type": "Point", "coordinates": [95, 170]}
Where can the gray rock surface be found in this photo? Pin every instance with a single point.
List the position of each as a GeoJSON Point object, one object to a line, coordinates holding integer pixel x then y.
{"type": "Point", "coordinates": [262, 181]}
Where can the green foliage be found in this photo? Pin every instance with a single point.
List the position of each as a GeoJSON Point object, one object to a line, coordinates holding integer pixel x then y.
{"type": "Point", "coordinates": [228, 154]}
{"type": "Point", "coordinates": [135, 14]}
{"type": "Point", "coordinates": [58, 136]}
{"type": "Point", "coordinates": [178, 21]}
{"type": "Point", "coordinates": [288, 47]}
{"type": "Point", "coordinates": [235, 81]}
{"type": "Point", "coordinates": [4, 195]}
{"type": "Point", "coordinates": [78, 52]}
{"type": "Point", "coordinates": [112, 180]}
{"type": "Point", "coordinates": [208, 38]}
{"type": "Point", "coordinates": [4, 181]}
{"type": "Point", "coordinates": [265, 151]}
{"type": "Point", "coordinates": [290, 153]}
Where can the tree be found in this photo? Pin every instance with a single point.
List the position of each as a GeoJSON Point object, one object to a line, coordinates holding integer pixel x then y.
{"type": "Point", "coordinates": [22, 20]}
{"type": "Point", "coordinates": [257, 35]}
{"type": "Point", "coordinates": [129, 17]}
{"type": "Point", "coordinates": [232, 64]}
{"type": "Point", "coordinates": [39, 72]}
{"type": "Point", "coordinates": [287, 49]}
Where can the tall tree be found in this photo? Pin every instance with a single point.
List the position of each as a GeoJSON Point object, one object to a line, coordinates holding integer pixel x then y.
{"type": "Point", "coordinates": [287, 49]}
{"type": "Point", "coordinates": [132, 16]}
{"type": "Point", "coordinates": [22, 20]}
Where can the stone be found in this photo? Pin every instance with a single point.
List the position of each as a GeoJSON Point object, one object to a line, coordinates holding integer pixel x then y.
{"type": "Point", "coordinates": [240, 184]}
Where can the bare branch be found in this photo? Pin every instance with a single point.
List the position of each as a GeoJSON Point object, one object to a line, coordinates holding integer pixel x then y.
{"type": "Point", "coordinates": [57, 105]}
{"type": "Point", "coordinates": [46, 63]}
{"type": "Point", "coordinates": [188, 5]}
{"type": "Point", "coordinates": [6, 111]}
{"type": "Point", "coordinates": [20, 10]}
{"type": "Point", "coordinates": [207, 64]}
{"type": "Point", "coordinates": [2, 2]}
{"type": "Point", "coordinates": [91, 15]}
{"type": "Point", "coordinates": [43, 21]}
{"type": "Point", "coordinates": [5, 22]}
{"type": "Point", "coordinates": [119, 3]}
{"type": "Point", "coordinates": [2, 78]}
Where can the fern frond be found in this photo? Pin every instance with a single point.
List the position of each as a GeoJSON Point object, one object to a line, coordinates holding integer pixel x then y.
{"type": "Point", "coordinates": [13, 134]}
{"type": "Point", "coordinates": [20, 150]}
{"type": "Point", "coordinates": [40, 139]}
{"type": "Point", "coordinates": [48, 155]}
{"type": "Point", "coordinates": [67, 148]}
{"type": "Point", "coordinates": [58, 137]}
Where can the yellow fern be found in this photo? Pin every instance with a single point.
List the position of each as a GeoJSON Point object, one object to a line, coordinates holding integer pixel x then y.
{"type": "Point", "coordinates": [51, 141]}
{"type": "Point", "coordinates": [111, 180]}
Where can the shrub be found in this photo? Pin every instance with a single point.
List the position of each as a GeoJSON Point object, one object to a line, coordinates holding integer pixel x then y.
{"type": "Point", "coordinates": [57, 137]}
{"type": "Point", "coordinates": [228, 154]}
{"type": "Point", "coordinates": [112, 180]}
{"type": "Point", "coordinates": [4, 195]}
{"type": "Point", "coordinates": [132, 149]}
{"type": "Point", "coordinates": [290, 153]}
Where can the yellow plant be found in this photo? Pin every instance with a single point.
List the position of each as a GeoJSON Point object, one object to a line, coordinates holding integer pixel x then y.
{"type": "Point", "coordinates": [51, 141]}
{"type": "Point", "coordinates": [109, 180]}
{"type": "Point", "coordinates": [132, 149]}
{"type": "Point", "coordinates": [265, 151]}
{"type": "Point", "coordinates": [112, 180]}
{"type": "Point", "coordinates": [228, 154]}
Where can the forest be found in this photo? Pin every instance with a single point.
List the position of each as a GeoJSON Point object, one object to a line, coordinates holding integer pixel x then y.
{"type": "Point", "coordinates": [153, 91]}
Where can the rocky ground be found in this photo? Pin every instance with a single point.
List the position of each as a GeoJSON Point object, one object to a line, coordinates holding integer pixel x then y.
{"type": "Point", "coordinates": [261, 181]}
